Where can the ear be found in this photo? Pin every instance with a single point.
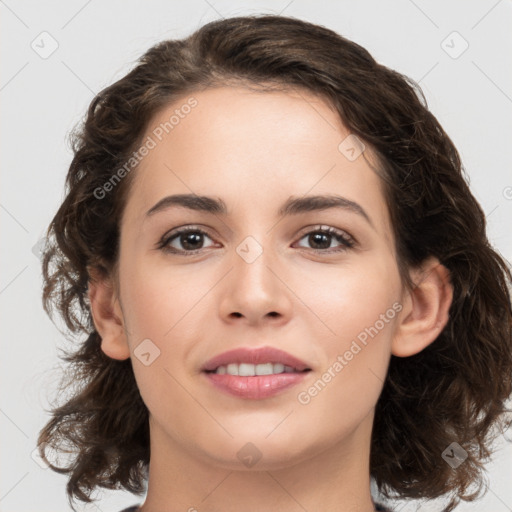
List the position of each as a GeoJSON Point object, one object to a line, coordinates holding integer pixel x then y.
{"type": "Point", "coordinates": [425, 311]}
{"type": "Point", "coordinates": [107, 315]}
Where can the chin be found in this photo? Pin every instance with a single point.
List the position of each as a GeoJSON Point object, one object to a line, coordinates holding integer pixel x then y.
{"type": "Point", "coordinates": [248, 452]}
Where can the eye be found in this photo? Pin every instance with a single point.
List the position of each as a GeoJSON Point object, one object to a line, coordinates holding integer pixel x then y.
{"type": "Point", "coordinates": [324, 235]}
{"type": "Point", "coordinates": [190, 239]}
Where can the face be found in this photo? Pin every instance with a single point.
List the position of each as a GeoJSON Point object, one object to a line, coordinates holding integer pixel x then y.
{"type": "Point", "coordinates": [321, 285]}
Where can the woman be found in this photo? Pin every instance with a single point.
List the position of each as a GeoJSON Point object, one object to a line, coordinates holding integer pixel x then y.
{"type": "Point", "coordinates": [233, 358]}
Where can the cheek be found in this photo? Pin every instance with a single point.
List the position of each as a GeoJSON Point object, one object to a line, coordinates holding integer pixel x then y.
{"type": "Point", "coordinates": [156, 297]}
{"type": "Point", "coordinates": [359, 309]}
{"type": "Point", "coordinates": [156, 301]}
{"type": "Point", "coordinates": [355, 360]}
{"type": "Point", "coordinates": [161, 304]}
{"type": "Point", "coordinates": [352, 298]}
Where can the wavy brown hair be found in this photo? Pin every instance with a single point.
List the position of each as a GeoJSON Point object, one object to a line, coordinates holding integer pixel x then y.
{"type": "Point", "coordinates": [455, 390]}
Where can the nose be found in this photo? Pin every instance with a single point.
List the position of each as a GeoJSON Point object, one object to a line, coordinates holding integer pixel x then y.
{"type": "Point", "coordinates": [255, 291]}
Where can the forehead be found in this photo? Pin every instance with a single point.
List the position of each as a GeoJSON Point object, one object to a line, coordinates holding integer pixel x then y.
{"type": "Point", "coordinates": [257, 147]}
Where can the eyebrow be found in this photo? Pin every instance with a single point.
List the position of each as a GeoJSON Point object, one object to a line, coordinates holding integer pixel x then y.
{"type": "Point", "coordinates": [292, 206]}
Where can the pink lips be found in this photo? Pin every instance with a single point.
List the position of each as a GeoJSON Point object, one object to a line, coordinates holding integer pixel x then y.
{"type": "Point", "coordinates": [258, 386]}
{"type": "Point", "coordinates": [255, 356]}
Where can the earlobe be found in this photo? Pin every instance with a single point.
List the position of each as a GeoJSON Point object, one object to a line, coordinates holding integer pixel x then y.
{"type": "Point", "coordinates": [107, 316]}
{"type": "Point", "coordinates": [426, 310]}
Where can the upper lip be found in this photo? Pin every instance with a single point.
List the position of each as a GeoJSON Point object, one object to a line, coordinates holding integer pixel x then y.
{"type": "Point", "coordinates": [255, 356]}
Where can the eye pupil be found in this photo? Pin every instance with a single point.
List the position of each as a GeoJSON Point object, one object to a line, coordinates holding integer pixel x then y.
{"type": "Point", "coordinates": [316, 238]}
{"type": "Point", "coordinates": [189, 238]}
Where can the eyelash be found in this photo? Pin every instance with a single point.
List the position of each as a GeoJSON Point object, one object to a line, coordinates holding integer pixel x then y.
{"type": "Point", "coordinates": [347, 241]}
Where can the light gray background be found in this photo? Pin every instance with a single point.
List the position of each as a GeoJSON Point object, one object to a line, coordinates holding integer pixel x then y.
{"type": "Point", "coordinates": [98, 42]}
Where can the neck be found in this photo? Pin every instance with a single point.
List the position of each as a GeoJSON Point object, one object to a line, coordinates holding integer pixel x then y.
{"type": "Point", "coordinates": [335, 480]}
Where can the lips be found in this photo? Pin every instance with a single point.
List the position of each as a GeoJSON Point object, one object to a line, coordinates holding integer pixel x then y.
{"type": "Point", "coordinates": [256, 386]}
{"type": "Point", "coordinates": [255, 356]}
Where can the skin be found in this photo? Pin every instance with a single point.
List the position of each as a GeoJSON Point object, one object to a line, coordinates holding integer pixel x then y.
{"type": "Point", "coordinates": [255, 150]}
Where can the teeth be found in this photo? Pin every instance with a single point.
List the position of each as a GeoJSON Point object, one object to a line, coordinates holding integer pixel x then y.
{"type": "Point", "coordinates": [232, 369]}
{"type": "Point", "coordinates": [280, 368]}
{"type": "Point", "coordinates": [250, 370]}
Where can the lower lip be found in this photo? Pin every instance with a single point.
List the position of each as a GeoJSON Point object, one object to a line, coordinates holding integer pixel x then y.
{"type": "Point", "coordinates": [257, 387]}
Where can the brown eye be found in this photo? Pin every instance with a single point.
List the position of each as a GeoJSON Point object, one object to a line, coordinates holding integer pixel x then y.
{"type": "Point", "coordinates": [320, 239]}
{"type": "Point", "coordinates": [191, 240]}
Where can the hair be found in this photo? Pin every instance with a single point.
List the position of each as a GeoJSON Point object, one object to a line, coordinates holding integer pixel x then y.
{"type": "Point", "coordinates": [455, 390]}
